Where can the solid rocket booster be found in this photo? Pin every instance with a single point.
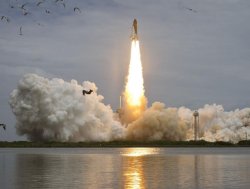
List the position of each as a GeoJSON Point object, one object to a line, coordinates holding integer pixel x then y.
{"type": "Point", "coordinates": [134, 35]}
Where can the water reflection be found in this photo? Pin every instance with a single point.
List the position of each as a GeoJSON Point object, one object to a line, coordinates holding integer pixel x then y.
{"type": "Point", "coordinates": [134, 174]}
{"type": "Point", "coordinates": [147, 168]}
{"type": "Point", "coordinates": [31, 171]}
{"type": "Point", "coordinates": [133, 165]}
{"type": "Point", "coordinates": [135, 152]}
{"type": "Point", "coordinates": [64, 171]}
{"type": "Point", "coordinates": [131, 168]}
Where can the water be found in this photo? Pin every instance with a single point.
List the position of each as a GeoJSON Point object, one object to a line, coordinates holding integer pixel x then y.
{"type": "Point", "coordinates": [129, 168]}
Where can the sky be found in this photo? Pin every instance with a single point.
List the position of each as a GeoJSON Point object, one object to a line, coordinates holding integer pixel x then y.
{"type": "Point", "coordinates": [193, 52]}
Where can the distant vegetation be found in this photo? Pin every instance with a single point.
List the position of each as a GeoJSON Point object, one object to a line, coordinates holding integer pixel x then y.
{"type": "Point", "coordinates": [201, 143]}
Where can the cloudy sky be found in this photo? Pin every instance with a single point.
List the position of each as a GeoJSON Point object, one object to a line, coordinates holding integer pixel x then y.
{"type": "Point", "coordinates": [193, 52]}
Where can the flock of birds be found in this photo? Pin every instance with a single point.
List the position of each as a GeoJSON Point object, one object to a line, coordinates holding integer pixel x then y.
{"type": "Point", "coordinates": [41, 4]}
{"type": "Point", "coordinates": [26, 7]}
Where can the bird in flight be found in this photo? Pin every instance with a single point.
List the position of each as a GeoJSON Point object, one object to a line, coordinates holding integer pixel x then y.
{"type": "Point", "coordinates": [3, 125]}
{"type": "Point", "coordinates": [87, 92]}
{"type": "Point", "coordinates": [6, 18]}
{"type": "Point", "coordinates": [64, 5]}
{"type": "Point", "coordinates": [22, 7]}
{"type": "Point", "coordinates": [20, 31]}
{"type": "Point", "coordinates": [25, 13]}
{"type": "Point", "coordinates": [39, 3]}
{"type": "Point", "coordinates": [183, 6]}
{"type": "Point", "coordinates": [77, 9]}
{"type": "Point", "coordinates": [190, 9]}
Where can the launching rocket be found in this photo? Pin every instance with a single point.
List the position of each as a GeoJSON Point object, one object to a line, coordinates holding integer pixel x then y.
{"type": "Point", "coordinates": [134, 30]}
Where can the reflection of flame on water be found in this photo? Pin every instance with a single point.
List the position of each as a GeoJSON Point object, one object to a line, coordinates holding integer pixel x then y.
{"type": "Point", "coordinates": [133, 166]}
{"type": "Point", "coordinates": [134, 152]}
{"type": "Point", "coordinates": [133, 174]}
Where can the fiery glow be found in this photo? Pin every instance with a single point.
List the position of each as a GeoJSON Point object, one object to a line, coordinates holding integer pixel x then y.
{"type": "Point", "coordinates": [134, 91]}
{"type": "Point", "coordinates": [134, 164]}
{"type": "Point", "coordinates": [136, 152]}
{"type": "Point", "coordinates": [134, 100]}
{"type": "Point", "coordinates": [133, 173]}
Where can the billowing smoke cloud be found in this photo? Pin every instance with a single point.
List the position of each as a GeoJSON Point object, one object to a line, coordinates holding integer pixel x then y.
{"type": "Point", "coordinates": [218, 125]}
{"type": "Point", "coordinates": [157, 123]}
{"type": "Point", "coordinates": [56, 110]}
{"type": "Point", "coordinates": [160, 123]}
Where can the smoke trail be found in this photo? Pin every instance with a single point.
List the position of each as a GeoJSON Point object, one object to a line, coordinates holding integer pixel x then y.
{"type": "Point", "coordinates": [56, 110]}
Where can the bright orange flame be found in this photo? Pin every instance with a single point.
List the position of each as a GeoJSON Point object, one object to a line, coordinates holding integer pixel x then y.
{"type": "Point", "coordinates": [134, 91]}
{"type": "Point", "coordinates": [134, 102]}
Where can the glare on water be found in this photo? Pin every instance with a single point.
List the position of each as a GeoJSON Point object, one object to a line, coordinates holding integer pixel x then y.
{"type": "Point", "coordinates": [128, 168]}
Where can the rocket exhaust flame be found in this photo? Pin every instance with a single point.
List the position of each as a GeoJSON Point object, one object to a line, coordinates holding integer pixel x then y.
{"type": "Point", "coordinates": [134, 90]}
{"type": "Point", "coordinates": [135, 101]}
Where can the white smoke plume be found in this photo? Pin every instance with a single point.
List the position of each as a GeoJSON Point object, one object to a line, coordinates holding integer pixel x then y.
{"type": "Point", "coordinates": [218, 125]}
{"type": "Point", "coordinates": [56, 110]}
{"type": "Point", "coordinates": [157, 123]}
{"type": "Point", "coordinates": [160, 123]}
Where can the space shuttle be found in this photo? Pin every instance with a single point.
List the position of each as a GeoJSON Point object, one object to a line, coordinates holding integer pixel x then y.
{"type": "Point", "coordinates": [134, 35]}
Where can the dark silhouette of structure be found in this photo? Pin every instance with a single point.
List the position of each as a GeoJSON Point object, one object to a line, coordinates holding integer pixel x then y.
{"type": "Point", "coordinates": [196, 125]}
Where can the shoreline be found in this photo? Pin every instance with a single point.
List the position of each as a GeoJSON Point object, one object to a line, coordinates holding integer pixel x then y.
{"type": "Point", "coordinates": [121, 144]}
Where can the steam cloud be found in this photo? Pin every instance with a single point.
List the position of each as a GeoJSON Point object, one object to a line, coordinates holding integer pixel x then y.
{"type": "Point", "coordinates": [160, 123]}
{"type": "Point", "coordinates": [56, 110]}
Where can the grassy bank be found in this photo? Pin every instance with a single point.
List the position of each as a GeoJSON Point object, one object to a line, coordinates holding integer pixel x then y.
{"type": "Point", "coordinates": [202, 143]}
